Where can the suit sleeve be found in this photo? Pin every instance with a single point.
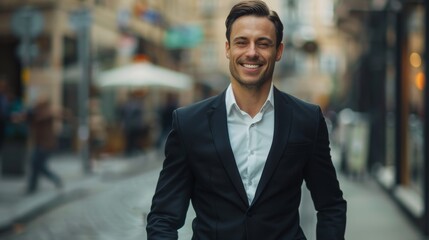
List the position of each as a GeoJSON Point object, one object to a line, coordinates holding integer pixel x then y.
{"type": "Point", "coordinates": [321, 180]}
{"type": "Point", "coordinates": [172, 195]}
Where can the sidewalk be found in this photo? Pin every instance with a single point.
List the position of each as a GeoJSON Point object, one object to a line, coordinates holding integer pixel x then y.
{"type": "Point", "coordinates": [17, 208]}
{"type": "Point", "coordinates": [372, 215]}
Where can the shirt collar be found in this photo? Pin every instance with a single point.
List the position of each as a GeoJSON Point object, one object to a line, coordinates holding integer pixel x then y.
{"type": "Point", "coordinates": [231, 103]}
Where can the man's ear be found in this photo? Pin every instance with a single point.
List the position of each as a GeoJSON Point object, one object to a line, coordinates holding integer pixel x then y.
{"type": "Point", "coordinates": [279, 52]}
{"type": "Point", "coordinates": [227, 49]}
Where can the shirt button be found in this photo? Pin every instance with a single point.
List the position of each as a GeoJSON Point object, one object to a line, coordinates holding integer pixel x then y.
{"type": "Point", "coordinates": [252, 125]}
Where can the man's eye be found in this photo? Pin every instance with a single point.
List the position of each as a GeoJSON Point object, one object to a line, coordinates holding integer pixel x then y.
{"type": "Point", "coordinates": [263, 45]}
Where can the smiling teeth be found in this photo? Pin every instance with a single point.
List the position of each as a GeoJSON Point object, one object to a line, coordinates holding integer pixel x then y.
{"type": "Point", "coordinates": [250, 66]}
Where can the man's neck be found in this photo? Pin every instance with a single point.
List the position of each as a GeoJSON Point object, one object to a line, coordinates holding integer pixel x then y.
{"type": "Point", "coordinates": [251, 100]}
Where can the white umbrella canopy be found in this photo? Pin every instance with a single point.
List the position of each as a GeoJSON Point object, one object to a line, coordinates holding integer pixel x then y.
{"type": "Point", "coordinates": [144, 75]}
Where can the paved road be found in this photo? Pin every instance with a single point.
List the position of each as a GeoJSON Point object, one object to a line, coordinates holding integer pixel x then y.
{"type": "Point", "coordinates": [114, 211]}
{"type": "Point", "coordinates": [117, 210]}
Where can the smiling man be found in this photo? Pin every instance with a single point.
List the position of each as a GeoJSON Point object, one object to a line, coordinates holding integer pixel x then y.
{"type": "Point", "coordinates": [241, 157]}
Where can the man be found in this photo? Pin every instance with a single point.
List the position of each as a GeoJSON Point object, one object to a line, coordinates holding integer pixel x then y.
{"type": "Point", "coordinates": [242, 156]}
{"type": "Point", "coordinates": [41, 118]}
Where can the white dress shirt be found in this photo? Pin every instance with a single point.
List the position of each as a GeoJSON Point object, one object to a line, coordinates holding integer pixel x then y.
{"type": "Point", "coordinates": [250, 138]}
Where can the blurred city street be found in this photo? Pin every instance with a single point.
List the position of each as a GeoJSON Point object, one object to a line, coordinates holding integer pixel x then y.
{"type": "Point", "coordinates": [95, 83]}
{"type": "Point", "coordinates": [88, 204]}
{"type": "Point", "coordinates": [113, 202]}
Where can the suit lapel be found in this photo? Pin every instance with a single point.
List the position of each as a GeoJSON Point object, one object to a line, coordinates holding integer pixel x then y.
{"type": "Point", "coordinates": [283, 115]}
{"type": "Point", "coordinates": [219, 129]}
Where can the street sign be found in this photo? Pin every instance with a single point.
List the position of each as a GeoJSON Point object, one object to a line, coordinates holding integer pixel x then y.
{"type": "Point", "coordinates": [80, 18]}
{"type": "Point", "coordinates": [27, 51]}
{"type": "Point", "coordinates": [27, 22]}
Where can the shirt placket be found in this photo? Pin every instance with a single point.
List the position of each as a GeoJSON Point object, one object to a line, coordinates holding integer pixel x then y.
{"type": "Point", "coordinates": [252, 154]}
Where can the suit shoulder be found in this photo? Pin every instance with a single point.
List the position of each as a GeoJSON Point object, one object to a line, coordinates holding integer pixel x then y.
{"type": "Point", "coordinates": [307, 116]}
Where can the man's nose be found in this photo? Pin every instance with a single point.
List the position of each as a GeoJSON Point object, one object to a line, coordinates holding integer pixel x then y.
{"type": "Point", "coordinates": [252, 51]}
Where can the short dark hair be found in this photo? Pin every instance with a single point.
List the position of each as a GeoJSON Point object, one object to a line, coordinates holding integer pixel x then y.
{"type": "Point", "coordinates": [256, 8]}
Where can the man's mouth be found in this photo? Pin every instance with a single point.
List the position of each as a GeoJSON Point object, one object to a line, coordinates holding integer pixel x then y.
{"type": "Point", "coordinates": [251, 66]}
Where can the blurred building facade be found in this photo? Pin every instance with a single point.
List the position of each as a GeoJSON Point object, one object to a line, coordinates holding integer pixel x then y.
{"type": "Point", "coordinates": [386, 72]}
{"type": "Point", "coordinates": [42, 56]}
{"type": "Point", "coordinates": [313, 57]}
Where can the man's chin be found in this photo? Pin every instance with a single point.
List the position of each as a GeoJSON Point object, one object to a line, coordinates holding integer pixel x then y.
{"type": "Point", "coordinates": [251, 84]}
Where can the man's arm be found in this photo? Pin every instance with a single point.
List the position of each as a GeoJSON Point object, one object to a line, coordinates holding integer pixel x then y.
{"type": "Point", "coordinates": [321, 180]}
{"type": "Point", "coordinates": [171, 200]}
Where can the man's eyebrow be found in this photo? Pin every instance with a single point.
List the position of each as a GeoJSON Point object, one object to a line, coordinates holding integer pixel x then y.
{"type": "Point", "coordinates": [239, 38]}
{"type": "Point", "coordinates": [265, 39]}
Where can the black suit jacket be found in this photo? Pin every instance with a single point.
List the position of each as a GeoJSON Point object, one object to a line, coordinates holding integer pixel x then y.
{"type": "Point", "coordinates": [200, 166]}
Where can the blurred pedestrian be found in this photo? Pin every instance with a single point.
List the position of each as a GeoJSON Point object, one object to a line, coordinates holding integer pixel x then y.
{"type": "Point", "coordinates": [41, 119]}
{"type": "Point", "coordinates": [15, 130]}
{"type": "Point", "coordinates": [241, 157]}
{"type": "Point", "coordinates": [132, 121]}
{"type": "Point", "coordinates": [166, 118]}
{"type": "Point", "coordinates": [4, 110]}
{"type": "Point", "coordinates": [97, 130]}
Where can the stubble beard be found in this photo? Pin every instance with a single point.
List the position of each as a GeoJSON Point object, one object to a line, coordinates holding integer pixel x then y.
{"type": "Point", "coordinates": [254, 85]}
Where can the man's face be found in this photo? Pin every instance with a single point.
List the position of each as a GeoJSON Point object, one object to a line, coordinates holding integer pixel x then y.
{"type": "Point", "coordinates": [252, 51]}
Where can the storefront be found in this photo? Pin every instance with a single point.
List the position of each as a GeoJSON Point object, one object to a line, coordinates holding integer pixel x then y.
{"type": "Point", "coordinates": [391, 73]}
{"type": "Point", "coordinates": [404, 172]}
